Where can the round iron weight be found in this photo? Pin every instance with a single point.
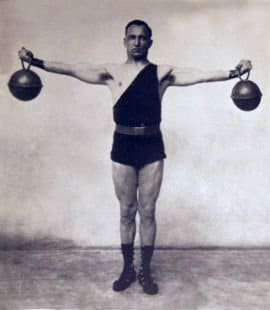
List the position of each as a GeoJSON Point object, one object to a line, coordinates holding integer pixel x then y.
{"type": "Point", "coordinates": [25, 84]}
{"type": "Point", "coordinates": [246, 95]}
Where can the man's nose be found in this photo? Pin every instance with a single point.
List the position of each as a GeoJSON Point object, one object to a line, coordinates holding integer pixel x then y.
{"type": "Point", "coordinates": [137, 42]}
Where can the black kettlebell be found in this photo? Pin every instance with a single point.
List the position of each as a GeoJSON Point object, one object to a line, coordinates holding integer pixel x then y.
{"type": "Point", "coordinates": [246, 94]}
{"type": "Point", "coordinates": [25, 84]}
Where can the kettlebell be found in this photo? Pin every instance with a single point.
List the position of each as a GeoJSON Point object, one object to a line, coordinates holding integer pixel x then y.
{"type": "Point", "coordinates": [25, 84]}
{"type": "Point", "coordinates": [246, 94]}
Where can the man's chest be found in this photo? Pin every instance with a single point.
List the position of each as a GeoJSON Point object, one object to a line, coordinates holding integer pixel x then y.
{"type": "Point", "coordinates": [122, 77]}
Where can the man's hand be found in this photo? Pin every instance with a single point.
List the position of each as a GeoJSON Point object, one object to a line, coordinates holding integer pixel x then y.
{"type": "Point", "coordinates": [244, 66]}
{"type": "Point", "coordinates": [25, 55]}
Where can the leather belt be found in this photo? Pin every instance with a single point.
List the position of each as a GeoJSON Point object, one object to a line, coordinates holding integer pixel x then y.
{"type": "Point", "coordinates": [137, 131]}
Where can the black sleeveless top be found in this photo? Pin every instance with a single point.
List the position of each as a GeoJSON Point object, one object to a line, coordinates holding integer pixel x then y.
{"type": "Point", "coordinates": [140, 104]}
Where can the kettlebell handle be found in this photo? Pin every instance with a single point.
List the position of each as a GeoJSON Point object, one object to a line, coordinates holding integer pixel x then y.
{"type": "Point", "coordinates": [240, 76]}
{"type": "Point", "coordinates": [28, 66]}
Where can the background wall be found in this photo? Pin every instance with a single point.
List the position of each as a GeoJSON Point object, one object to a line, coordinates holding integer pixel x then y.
{"type": "Point", "coordinates": [55, 170]}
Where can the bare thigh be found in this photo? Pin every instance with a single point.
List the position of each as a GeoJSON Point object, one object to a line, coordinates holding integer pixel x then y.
{"type": "Point", "coordinates": [125, 181]}
{"type": "Point", "coordinates": [149, 182]}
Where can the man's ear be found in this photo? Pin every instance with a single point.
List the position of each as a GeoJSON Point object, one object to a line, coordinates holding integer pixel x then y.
{"type": "Point", "coordinates": [150, 43]}
{"type": "Point", "coordinates": [125, 42]}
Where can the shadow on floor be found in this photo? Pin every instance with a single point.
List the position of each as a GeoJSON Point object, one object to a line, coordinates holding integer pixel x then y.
{"type": "Point", "coordinates": [81, 279]}
{"type": "Point", "coordinates": [18, 242]}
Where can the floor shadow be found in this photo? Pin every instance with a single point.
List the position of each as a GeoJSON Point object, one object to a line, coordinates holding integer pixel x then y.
{"type": "Point", "coordinates": [39, 243]}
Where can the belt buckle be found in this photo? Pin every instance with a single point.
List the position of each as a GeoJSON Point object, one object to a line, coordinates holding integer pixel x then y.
{"type": "Point", "coordinates": [139, 131]}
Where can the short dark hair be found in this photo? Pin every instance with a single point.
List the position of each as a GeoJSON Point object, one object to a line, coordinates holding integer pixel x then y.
{"type": "Point", "coordinates": [138, 22]}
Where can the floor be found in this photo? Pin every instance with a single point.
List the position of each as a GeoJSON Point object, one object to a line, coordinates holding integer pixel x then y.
{"type": "Point", "coordinates": [188, 279]}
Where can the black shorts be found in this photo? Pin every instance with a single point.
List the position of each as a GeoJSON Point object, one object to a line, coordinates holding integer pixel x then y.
{"type": "Point", "coordinates": [137, 151]}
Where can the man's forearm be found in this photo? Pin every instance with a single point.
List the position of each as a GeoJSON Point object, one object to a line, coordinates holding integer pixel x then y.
{"type": "Point", "coordinates": [191, 76]}
{"type": "Point", "coordinates": [185, 77]}
{"type": "Point", "coordinates": [84, 72]}
{"type": "Point", "coordinates": [221, 75]}
{"type": "Point", "coordinates": [52, 66]}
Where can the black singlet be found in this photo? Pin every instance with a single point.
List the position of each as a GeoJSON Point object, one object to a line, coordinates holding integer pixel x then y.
{"type": "Point", "coordinates": [139, 105]}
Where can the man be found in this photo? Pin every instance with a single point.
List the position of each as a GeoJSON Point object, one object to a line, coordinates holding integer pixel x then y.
{"type": "Point", "coordinates": [137, 87]}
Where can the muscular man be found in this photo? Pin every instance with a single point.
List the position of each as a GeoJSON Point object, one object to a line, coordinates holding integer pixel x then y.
{"type": "Point", "coordinates": [137, 87]}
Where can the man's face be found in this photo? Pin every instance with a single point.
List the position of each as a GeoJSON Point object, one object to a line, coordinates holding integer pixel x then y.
{"type": "Point", "coordinates": [137, 42]}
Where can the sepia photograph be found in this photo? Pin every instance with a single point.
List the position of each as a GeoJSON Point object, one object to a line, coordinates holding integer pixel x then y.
{"type": "Point", "coordinates": [134, 155]}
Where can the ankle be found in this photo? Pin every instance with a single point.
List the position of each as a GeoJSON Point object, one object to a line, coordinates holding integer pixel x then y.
{"type": "Point", "coordinates": [128, 253]}
{"type": "Point", "coordinates": [146, 257]}
{"type": "Point", "coordinates": [128, 267]}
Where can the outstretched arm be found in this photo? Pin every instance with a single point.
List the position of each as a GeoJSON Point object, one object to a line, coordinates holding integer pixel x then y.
{"type": "Point", "coordinates": [93, 74]}
{"type": "Point", "coordinates": [185, 76]}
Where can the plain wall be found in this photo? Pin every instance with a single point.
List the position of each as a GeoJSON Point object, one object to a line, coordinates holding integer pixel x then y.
{"type": "Point", "coordinates": [55, 168]}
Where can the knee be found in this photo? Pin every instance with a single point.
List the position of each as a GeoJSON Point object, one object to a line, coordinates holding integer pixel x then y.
{"type": "Point", "coordinates": [147, 213]}
{"type": "Point", "coordinates": [128, 213]}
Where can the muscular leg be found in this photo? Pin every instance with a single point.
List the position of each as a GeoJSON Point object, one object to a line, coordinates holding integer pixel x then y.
{"type": "Point", "coordinates": [150, 178]}
{"type": "Point", "coordinates": [125, 184]}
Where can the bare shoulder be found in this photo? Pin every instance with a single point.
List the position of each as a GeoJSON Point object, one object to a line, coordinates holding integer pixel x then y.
{"type": "Point", "coordinates": [113, 67]}
{"type": "Point", "coordinates": [164, 71]}
{"type": "Point", "coordinates": [92, 73]}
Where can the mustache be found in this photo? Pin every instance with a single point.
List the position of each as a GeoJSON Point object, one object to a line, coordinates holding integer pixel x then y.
{"type": "Point", "coordinates": [137, 49]}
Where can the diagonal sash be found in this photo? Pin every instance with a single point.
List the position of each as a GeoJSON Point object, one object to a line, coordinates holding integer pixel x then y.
{"type": "Point", "coordinates": [132, 83]}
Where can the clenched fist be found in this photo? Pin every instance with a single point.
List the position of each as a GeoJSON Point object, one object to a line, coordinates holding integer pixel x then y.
{"type": "Point", "coordinates": [25, 55]}
{"type": "Point", "coordinates": [244, 66]}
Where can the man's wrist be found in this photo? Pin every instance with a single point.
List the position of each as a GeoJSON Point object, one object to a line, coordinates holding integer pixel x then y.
{"type": "Point", "coordinates": [233, 73]}
{"type": "Point", "coordinates": [37, 63]}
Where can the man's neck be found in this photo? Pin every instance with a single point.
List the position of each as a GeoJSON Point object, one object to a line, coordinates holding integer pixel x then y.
{"type": "Point", "coordinates": [137, 62]}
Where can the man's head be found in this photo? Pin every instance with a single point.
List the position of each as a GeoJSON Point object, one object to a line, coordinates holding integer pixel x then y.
{"type": "Point", "coordinates": [138, 22]}
{"type": "Point", "coordinates": [137, 39]}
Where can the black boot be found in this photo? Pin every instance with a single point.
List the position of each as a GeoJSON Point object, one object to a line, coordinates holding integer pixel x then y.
{"type": "Point", "coordinates": [144, 277]}
{"type": "Point", "coordinates": [128, 274]}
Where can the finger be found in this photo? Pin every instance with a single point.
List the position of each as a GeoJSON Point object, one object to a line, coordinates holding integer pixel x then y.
{"type": "Point", "coordinates": [247, 62]}
{"type": "Point", "coordinates": [239, 66]}
{"type": "Point", "coordinates": [29, 54]}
